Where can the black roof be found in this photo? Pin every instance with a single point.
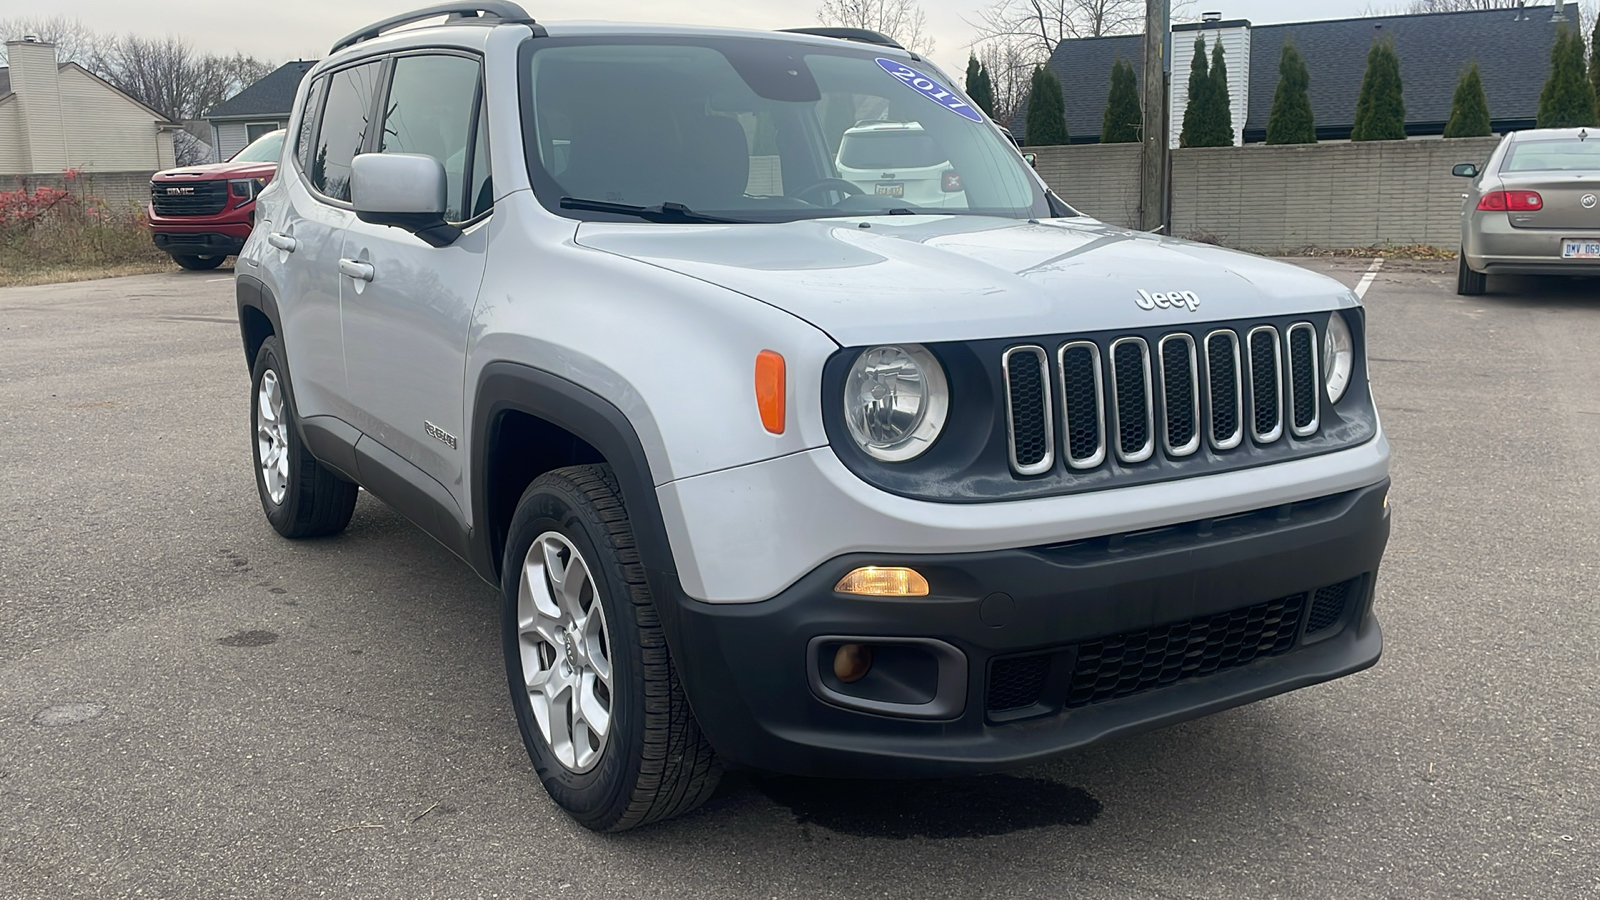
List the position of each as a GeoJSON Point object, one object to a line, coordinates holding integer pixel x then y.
{"type": "Point", "coordinates": [1511, 46]}
{"type": "Point", "coordinates": [273, 95]}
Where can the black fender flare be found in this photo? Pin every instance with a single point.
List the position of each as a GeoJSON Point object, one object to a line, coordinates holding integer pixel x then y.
{"type": "Point", "coordinates": [252, 293]}
{"type": "Point", "coordinates": [507, 386]}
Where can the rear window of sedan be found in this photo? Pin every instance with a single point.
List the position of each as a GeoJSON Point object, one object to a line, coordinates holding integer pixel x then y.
{"type": "Point", "coordinates": [1554, 156]}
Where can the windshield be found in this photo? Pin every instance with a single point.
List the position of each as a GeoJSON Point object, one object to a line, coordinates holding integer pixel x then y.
{"type": "Point", "coordinates": [1570, 155]}
{"type": "Point", "coordinates": [266, 148]}
{"type": "Point", "coordinates": [753, 130]}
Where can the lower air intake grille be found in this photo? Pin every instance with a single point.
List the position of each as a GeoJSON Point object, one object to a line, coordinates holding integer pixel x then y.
{"type": "Point", "coordinates": [1017, 682]}
{"type": "Point", "coordinates": [1138, 661]}
{"type": "Point", "coordinates": [1327, 607]}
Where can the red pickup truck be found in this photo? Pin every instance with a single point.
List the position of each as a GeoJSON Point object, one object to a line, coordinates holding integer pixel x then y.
{"type": "Point", "coordinates": [201, 215]}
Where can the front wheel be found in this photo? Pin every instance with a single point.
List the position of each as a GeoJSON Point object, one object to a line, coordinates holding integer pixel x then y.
{"type": "Point", "coordinates": [1468, 282]}
{"type": "Point", "coordinates": [598, 701]}
{"type": "Point", "coordinates": [198, 263]}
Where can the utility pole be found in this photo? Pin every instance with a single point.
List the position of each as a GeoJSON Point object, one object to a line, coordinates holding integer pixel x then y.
{"type": "Point", "coordinates": [1153, 177]}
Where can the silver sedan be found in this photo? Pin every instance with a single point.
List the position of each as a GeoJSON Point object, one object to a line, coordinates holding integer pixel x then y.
{"type": "Point", "coordinates": [1534, 208]}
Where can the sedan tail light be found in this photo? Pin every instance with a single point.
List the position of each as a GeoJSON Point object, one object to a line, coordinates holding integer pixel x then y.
{"type": "Point", "coordinates": [1511, 201]}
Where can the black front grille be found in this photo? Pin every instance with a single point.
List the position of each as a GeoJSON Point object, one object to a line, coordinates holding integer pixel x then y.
{"type": "Point", "coordinates": [1130, 383]}
{"type": "Point", "coordinates": [1327, 607]}
{"type": "Point", "coordinates": [1139, 661]}
{"type": "Point", "coordinates": [1027, 392]}
{"type": "Point", "coordinates": [1264, 384]}
{"type": "Point", "coordinates": [1181, 400]}
{"type": "Point", "coordinates": [1017, 682]}
{"type": "Point", "coordinates": [1303, 376]}
{"type": "Point", "coordinates": [1080, 388]}
{"type": "Point", "coordinates": [1222, 380]}
{"type": "Point", "coordinates": [189, 198]}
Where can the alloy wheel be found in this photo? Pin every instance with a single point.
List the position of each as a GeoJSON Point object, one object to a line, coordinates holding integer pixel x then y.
{"type": "Point", "coordinates": [565, 650]}
{"type": "Point", "coordinates": [272, 437]}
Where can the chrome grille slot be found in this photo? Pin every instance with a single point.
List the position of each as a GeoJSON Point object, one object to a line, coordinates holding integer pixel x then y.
{"type": "Point", "coordinates": [1131, 411]}
{"type": "Point", "coordinates": [1029, 427]}
{"type": "Point", "coordinates": [1224, 394]}
{"type": "Point", "coordinates": [1266, 384]}
{"type": "Point", "coordinates": [1180, 394]}
{"type": "Point", "coordinates": [1083, 412]}
{"type": "Point", "coordinates": [1303, 379]}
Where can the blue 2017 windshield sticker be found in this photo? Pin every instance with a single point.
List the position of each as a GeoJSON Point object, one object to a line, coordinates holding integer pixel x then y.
{"type": "Point", "coordinates": [931, 89]}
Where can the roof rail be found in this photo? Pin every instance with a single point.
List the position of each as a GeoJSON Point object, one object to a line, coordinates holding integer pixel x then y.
{"type": "Point", "coordinates": [859, 35]}
{"type": "Point", "coordinates": [503, 10]}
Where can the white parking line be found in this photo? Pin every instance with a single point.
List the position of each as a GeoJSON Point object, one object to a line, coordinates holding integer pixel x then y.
{"type": "Point", "coordinates": [1367, 279]}
{"type": "Point", "coordinates": [211, 280]}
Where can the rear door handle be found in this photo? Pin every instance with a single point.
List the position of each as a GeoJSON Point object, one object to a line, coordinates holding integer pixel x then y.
{"type": "Point", "coordinates": [357, 269]}
{"type": "Point", "coordinates": [282, 241]}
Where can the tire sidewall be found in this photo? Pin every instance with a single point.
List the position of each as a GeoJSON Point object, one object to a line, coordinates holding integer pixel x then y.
{"type": "Point", "coordinates": [270, 357]}
{"type": "Point", "coordinates": [600, 795]}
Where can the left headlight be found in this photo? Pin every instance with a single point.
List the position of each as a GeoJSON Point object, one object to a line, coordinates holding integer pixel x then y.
{"type": "Point", "coordinates": [246, 188]}
{"type": "Point", "coordinates": [896, 400]}
{"type": "Point", "coordinates": [1338, 357]}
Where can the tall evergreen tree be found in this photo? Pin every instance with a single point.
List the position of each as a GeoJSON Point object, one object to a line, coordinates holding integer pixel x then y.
{"type": "Point", "coordinates": [1195, 110]}
{"type": "Point", "coordinates": [979, 87]}
{"type": "Point", "coordinates": [1291, 121]}
{"type": "Point", "coordinates": [1469, 111]}
{"type": "Point", "coordinates": [1219, 122]}
{"type": "Point", "coordinates": [1381, 110]}
{"type": "Point", "coordinates": [1123, 113]}
{"type": "Point", "coordinates": [1594, 56]}
{"type": "Point", "coordinates": [1047, 111]}
{"type": "Point", "coordinates": [1568, 98]}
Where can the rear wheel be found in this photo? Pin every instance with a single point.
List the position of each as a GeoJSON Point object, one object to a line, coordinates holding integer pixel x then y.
{"type": "Point", "coordinates": [198, 263]}
{"type": "Point", "coordinates": [301, 497]}
{"type": "Point", "coordinates": [602, 714]}
{"type": "Point", "coordinates": [1468, 282]}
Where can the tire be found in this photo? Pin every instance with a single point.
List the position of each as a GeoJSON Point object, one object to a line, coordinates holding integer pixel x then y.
{"type": "Point", "coordinates": [301, 497]}
{"type": "Point", "coordinates": [1468, 282]}
{"type": "Point", "coordinates": [198, 263]}
{"type": "Point", "coordinates": [652, 762]}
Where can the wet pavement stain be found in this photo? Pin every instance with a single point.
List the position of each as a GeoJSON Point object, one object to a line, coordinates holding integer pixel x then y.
{"type": "Point", "coordinates": [67, 714]}
{"type": "Point", "coordinates": [249, 639]}
{"type": "Point", "coordinates": [984, 806]}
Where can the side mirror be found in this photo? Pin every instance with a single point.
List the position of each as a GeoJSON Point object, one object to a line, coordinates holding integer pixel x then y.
{"type": "Point", "coordinates": [402, 190]}
{"type": "Point", "coordinates": [1030, 157]}
{"type": "Point", "coordinates": [1465, 170]}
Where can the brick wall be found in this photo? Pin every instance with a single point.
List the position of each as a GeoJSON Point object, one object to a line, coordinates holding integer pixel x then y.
{"type": "Point", "coordinates": [123, 192]}
{"type": "Point", "coordinates": [1283, 198]}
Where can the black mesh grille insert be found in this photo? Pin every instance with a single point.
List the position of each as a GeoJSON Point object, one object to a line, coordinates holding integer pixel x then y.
{"type": "Point", "coordinates": [1083, 402]}
{"type": "Point", "coordinates": [1303, 368]}
{"type": "Point", "coordinates": [1177, 382]}
{"type": "Point", "coordinates": [1138, 661]}
{"type": "Point", "coordinates": [1017, 681]}
{"type": "Point", "coordinates": [197, 198]}
{"type": "Point", "coordinates": [1224, 385]}
{"type": "Point", "coordinates": [1128, 369]}
{"type": "Point", "coordinates": [1264, 381]}
{"type": "Point", "coordinates": [1327, 607]}
{"type": "Point", "coordinates": [1027, 384]}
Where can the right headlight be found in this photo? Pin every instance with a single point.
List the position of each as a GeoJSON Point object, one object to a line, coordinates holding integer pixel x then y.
{"type": "Point", "coordinates": [1338, 357]}
{"type": "Point", "coordinates": [896, 400]}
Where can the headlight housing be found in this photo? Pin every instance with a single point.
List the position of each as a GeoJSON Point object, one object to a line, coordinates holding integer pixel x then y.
{"type": "Point", "coordinates": [896, 401]}
{"type": "Point", "coordinates": [1338, 357]}
{"type": "Point", "coordinates": [246, 188]}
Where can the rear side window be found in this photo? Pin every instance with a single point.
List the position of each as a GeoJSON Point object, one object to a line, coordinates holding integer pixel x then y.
{"type": "Point", "coordinates": [432, 108]}
{"type": "Point", "coordinates": [1569, 155]}
{"type": "Point", "coordinates": [344, 128]}
{"type": "Point", "coordinates": [308, 122]}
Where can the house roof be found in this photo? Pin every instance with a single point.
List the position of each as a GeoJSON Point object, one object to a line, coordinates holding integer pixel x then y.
{"type": "Point", "coordinates": [5, 81]}
{"type": "Point", "coordinates": [273, 95]}
{"type": "Point", "coordinates": [1511, 46]}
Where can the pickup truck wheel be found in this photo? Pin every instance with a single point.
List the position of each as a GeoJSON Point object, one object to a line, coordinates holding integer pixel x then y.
{"type": "Point", "coordinates": [301, 497]}
{"type": "Point", "coordinates": [601, 711]}
{"type": "Point", "coordinates": [1468, 282]}
{"type": "Point", "coordinates": [198, 263]}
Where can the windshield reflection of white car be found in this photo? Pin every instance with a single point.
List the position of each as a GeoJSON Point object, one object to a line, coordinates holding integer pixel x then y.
{"type": "Point", "coordinates": [897, 160]}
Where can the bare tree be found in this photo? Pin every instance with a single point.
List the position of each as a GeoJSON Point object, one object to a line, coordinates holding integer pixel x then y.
{"type": "Point", "coordinates": [75, 41]}
{"type": "Point", "coordinates": [1036, 26]}
{"type": "Point", "coordinates": [1010, 71]}
{"type": "Point", "coordinates": [902, 20]}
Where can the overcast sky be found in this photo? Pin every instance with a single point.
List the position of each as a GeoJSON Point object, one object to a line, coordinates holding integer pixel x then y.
{"type": "Point", "coordinates": [288, 29]}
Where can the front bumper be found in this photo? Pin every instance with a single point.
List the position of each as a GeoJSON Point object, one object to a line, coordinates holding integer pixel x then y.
{"type": "Point", "coordinates": [1135, 631]}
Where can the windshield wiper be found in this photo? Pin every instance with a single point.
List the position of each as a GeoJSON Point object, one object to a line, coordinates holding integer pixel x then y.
{"type": "Point", "coordinates": [666, 212]}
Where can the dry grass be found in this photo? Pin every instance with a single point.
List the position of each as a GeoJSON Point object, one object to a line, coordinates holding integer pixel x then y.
{"type": "Point", "coordinates": [51, 235]}
{"type": "Point", "coordinates": [65, 273]}
{"type": "Point", "coordinates": [1419, 251]}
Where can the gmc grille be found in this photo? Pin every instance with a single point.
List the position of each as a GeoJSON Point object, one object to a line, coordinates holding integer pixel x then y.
{"type": "Point", "coordinates": [195, 198]}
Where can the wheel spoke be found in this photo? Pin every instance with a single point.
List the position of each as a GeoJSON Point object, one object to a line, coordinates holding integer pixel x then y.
{"type": "Point", "coordinates": [595, 711]}
{"type": "Point", "coordinates": [572, 585]}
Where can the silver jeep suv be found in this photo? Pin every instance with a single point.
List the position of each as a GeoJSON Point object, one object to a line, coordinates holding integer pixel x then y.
{"type": "Point", "coordinates": [774, 470]}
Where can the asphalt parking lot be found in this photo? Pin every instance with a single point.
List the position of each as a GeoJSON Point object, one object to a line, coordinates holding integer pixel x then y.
{"type": "Point", "coordinates": [192, 707]}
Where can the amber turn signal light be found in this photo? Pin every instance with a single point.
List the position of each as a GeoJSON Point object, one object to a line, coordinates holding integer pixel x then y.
{"type": "Point", "coordinates": [883, 581]}
{"type": "Point", "coordinates": [770, 390]}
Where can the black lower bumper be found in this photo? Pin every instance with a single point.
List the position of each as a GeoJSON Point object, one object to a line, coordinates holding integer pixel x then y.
{"type": "Point", "coordinates": [199, 244]}
{"type": "Point", "coordinates": [1019, 655]}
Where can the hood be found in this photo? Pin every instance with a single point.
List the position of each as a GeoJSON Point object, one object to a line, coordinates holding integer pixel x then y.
{"type": "Point", "coordinates": [219, 171]}
{"type": "Point", "coordinates": [925, 279]}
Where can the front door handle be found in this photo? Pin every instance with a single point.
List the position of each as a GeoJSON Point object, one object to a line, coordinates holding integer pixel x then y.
{"type": "Point", "coordinates": [282, 241]}
{"type": "Point", "coordinates": [357, 269]}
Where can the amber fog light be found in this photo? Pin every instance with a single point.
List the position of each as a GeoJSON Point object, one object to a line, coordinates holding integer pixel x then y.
{"type": "Point", "coordinates": [852, 662]}
{"type": "Point", "coordinates": [883, 581]}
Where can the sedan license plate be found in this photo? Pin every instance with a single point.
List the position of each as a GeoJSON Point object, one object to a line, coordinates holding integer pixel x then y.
{"type": "Point", "coordinates": [893, 189]}
{"type": "Point", "coordinates": [1580, 249]}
